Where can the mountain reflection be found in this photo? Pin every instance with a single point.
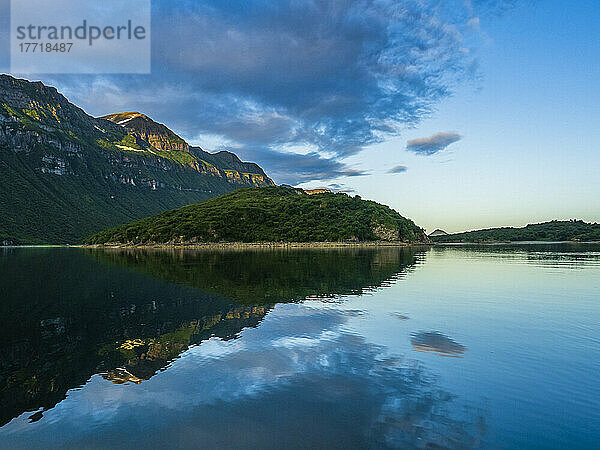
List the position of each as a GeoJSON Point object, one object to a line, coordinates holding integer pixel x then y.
{"type": "Point", "coordinates": [67, 316]}
{"type": "Point", "coordinates": [300, 380]}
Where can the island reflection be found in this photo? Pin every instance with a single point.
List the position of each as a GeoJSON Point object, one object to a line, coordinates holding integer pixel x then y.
{"type": "Point", "coordinates": [127, 314]}
{"type": "Point", "coordinates": [257, 276]}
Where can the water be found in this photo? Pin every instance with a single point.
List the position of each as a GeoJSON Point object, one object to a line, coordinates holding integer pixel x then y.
{"type": "Point", "coordinates": [459, 347]}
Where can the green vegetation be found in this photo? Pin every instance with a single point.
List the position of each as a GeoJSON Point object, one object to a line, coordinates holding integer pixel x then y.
{"type": "Point", "coordinates": [180, 157]}
{"type": "Point", "coordinates": [65, 177]}
{"type": "Point", "coordinates": [129, 141]}
{"type": "Point", "coordinates": [572, 230]}
{"type": "Point", "coordinates": [270, 214]}
{"type": "Point", "coordinates": [42, 208]}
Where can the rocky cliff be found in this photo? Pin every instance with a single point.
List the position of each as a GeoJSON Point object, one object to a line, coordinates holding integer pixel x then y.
{"type": "Point", "coordinates": [146, 135]}
{"type": "Point", "coordinates": [149, 132]}
{"type": "Point", "coordinates": [67, 174]}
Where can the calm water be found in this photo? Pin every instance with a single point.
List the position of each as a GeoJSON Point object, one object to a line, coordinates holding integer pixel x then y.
{"type": "Point", "coordinates": [493, 347]}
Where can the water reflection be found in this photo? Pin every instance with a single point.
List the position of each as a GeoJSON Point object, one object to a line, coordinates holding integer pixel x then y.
{"type": "Point", "coordinates": [400, 316]}
{"type": "Point", "coordinates": [68, 314]}
{"type": "Point", "coordinates": [551, 255]}
{"type": "Point", "coordinates": [258, 276]}
{"type": "Point", "coordinates": [217, 349]}
{"type": "Point", "coordinates": [300, 380]}
{"type": "Point", "coordinates": [438, 343]}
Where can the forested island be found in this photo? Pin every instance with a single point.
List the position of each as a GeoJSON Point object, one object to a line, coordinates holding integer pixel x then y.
{"type": "Point", "coordinates": [269, 214]}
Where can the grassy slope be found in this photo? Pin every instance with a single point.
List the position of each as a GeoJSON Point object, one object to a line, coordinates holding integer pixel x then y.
{"type": "Point", "coordinates": [269, 214]}
{"type": "Point", "coordinates": [548, 231]}
{"type": "Point", "coordinates": [41, 208]}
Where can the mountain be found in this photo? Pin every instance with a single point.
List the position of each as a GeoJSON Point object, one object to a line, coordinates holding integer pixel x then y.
{"type": "Point", "coordinates": [438, 232]}
{"type": "Point", "coordinates": [66, 174]}
{"type": "Point", "coordinates": [270, 214]}
{"type": "Point", "coordinates": [572, 230]}
{"type": "Point", "coordinates": [144, 133]}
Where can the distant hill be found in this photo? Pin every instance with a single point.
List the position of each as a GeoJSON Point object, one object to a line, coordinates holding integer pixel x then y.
{"type": "Point", "coordinates": [572, 230]}
{"type": "Point", "coordinates": [270, 214]}
{"type": "Point", "coordinates": [438, 232]}
{"type": "Point", "coordinates": [66, 175]}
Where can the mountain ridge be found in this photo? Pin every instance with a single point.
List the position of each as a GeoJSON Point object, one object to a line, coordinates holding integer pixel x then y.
{"type": "Point", "coordinates": [438, 232]}
{"type": "Point", "coordinates": [146, 134]}
{"type": "Point", "coordinates": [68, 174]}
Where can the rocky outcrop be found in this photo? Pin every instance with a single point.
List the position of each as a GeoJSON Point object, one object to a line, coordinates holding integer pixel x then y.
{"type": "Point", "coordinates": [317, 191]}
{"type": "Point", "coordinates": [153, 136]}
{"type": "Point", "coordinates": [386, 233]}
{"type": "Point", "coordinates": [147, 130]}
{"type": "Point", "coordinates": [234, 169]}
{"type": "Point", "coordinates": [76, 174]}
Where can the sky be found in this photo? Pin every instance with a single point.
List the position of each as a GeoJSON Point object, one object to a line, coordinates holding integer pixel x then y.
{"type": "Point", "coordinates": [459, 114]}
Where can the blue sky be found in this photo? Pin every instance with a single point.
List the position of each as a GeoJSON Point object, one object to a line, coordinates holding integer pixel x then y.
{"type": "Point", "coordinates": [487, 110]}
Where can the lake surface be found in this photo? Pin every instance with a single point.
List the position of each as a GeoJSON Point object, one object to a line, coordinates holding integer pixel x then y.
{"type": "Point", "coordinates": [458, 347]}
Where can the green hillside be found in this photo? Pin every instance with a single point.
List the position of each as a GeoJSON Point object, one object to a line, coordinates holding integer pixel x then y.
{"type": "Point", "coordinates": [66, 175]}
{"type": "Point", "coordinates": [270, 214]}
{"type": "Point", "coordinates": [572, 230]}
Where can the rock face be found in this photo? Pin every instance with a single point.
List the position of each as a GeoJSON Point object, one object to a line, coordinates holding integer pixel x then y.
{"type": "Point", "coordinates": [147, 130]}
{"type": "Point", "coordinates": [386, 233]}
{"type": "Point", "coordinates": [144, 134]}
{"type": "Point", "coordinates": [67, 175]}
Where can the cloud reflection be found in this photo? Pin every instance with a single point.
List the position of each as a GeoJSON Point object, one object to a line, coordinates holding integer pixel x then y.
{"type": "Point", "coordinates": [438, 343]}
{"type": "Point", "coordinates": [300, 370]}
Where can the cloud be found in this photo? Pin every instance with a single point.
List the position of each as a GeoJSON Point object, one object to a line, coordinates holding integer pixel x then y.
{"type": "Point", "coordinates": [398, 169]}
{"type": "Point", "coordinates": [337, 187]}
{"type": "Point", "coordinates": [293, 168]}
{"type": "Point", "coordinates": [432, 144]}
{"type": "Point", "coordinates": [354, 173]}
{"type": "Point", "coordinates": [334, 77]}
{"type": "Point", "coordinates": [474, 23]}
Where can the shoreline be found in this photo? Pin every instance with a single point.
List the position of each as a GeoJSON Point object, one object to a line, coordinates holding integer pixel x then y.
{"type": "Point", "coordinates": [267, 245]}
{"type": "Point", "coordinates": [492, 243]}
{"type": "Point", "coordinates": [251, 245]}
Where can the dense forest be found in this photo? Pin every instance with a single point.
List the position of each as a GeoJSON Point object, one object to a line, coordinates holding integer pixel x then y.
{"type": "Point", "coordinates": [572, 230]}
{"type": "Point", "coordinates": [270, 214]}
